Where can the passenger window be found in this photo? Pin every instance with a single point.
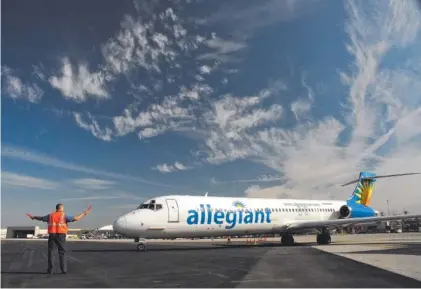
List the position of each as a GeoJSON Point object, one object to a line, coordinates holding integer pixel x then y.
{"type": "Point", "coordinates": [158, 207]}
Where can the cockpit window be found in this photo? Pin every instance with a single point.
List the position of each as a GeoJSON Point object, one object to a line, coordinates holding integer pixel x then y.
{"type": "Point", "coordinates": [151, 206]}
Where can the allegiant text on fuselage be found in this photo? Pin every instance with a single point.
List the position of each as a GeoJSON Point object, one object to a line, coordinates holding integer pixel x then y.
{"type": "Point", "coordinates": [231, 218]}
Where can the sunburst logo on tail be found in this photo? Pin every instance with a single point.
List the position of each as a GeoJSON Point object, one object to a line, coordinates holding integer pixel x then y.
{"type": "Point", "coordinates": [364, 192]}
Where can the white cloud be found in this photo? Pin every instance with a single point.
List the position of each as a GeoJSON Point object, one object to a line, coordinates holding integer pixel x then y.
{"type": "Point", "coordinates": [260, 179]}
{"type": "Point", "coordinates": [375, 130]}
{"type": "Point", "coordinates": [383, 110]}
{"type": "Point", "coordinates": [29, 156]}
{"type": "Point", "coordinates": [204, 69]}
{"type": "Point", "coordinates": [223, 49]}
{"type": "Point", "coordinates": [174, 113]}
{"type": "Point", "coordinates": [91, 198]}
{"type": "Point", "coordinates": [300, 107]}
{"type": "Point", "coordinates": [93, 127]}
{"type": "Point", "coordinates": [147, 44]}
{"type": "Point", "coordinates": [168, 168]}
{"type": "Point", "coordinates": [79, 85]}
{"type": "Point", "coordinates": [105, 195]}
{"type": "Point", "coordinates": [93, 184]}
{"type": "Point", "coordinates": [22, 181]}
{"type": "Point", "coordinates": [100, 198]}
{"type": "Point", "coordinates": [245, 20]}
{"type": "Point", "coordinates": [15, 88]}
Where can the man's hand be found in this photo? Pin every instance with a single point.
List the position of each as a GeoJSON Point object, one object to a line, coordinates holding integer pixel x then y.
{"type": "Point", "coordinates": [88, 210]}
{"type": "Point", "coordinates": [30, 216]}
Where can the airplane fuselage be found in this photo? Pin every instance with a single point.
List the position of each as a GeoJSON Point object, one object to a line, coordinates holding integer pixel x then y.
{"type": "Point", "coordinates": [196, 216]}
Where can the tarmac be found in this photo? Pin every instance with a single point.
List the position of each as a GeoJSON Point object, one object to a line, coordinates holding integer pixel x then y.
{"type": "Point", "coordinates": [381, 260]}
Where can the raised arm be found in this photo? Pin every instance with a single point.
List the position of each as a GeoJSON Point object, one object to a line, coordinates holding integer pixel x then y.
{"type": "Point", "coordinates": [82, 215]}
{"type": "Point", "coordinates": [38, 218]}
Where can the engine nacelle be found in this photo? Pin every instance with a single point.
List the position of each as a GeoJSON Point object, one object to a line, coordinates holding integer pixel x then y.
{"type": "Point", "coordinates": [345, 212]}
{"type": "Point", "coordinates": [355, 211]}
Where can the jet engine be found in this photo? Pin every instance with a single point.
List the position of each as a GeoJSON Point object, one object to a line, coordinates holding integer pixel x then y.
{"type": "Point", "coordinates": [344, 212]}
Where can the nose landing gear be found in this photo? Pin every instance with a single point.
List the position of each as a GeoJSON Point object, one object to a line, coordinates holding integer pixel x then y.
{"type": "Point", "coordinates": [141, 246]}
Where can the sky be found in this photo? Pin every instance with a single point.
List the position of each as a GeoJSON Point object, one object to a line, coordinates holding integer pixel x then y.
{"type": "Point", "coordinates": [111, 103]}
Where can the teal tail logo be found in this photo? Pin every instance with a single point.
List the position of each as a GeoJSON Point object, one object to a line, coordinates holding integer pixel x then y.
{"type": "Point", "coordinates": [364, 189]}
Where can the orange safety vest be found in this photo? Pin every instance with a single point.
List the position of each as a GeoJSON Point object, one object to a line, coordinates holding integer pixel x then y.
{"type": "Point", "coordinates": [57, 223]}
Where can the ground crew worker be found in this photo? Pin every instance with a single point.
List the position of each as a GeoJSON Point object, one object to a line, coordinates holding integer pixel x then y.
{"type": "Point", "coordinates": [57, 231]}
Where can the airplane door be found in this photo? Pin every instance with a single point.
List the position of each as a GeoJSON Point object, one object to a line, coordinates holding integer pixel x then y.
{"type": "Point", "coordinates": [173, 214]}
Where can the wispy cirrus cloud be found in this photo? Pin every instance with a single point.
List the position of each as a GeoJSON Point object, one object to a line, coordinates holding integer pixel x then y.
{"type": "Point", "coordinates": [93, 184]}
{"type": "Point", "coordinates": [259, 179]}
{"type": "Point", "coordinates": [79, 190]}
{"type": "Point", "coordinates": [23, 181]}
{"type": "Point", "coordinates": [379, 110]}
{"type": "Point", "coordinates": [105, 197]}
{"type": "Point", "coordinates": [245, 20]}
{"type": "Point", "coordinates": [374, 128]}
{"type": "Point", "coordinates": [30, 156]}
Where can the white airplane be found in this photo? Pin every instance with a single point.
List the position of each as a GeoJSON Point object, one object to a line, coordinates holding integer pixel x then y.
{"type": "Point", "coordinates": [176, 216]}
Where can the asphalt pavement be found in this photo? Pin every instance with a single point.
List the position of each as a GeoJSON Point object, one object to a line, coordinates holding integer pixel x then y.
{"type": "Point", "coordinates": [107, 264]}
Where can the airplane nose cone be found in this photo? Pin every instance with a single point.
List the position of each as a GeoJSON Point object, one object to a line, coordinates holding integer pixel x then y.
{"type": "Point", "coordinates": [120, 224]}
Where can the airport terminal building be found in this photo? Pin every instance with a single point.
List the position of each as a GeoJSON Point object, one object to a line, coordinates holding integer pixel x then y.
{"type": "Point", "coordinates": [35, 232]}
{"type": "Point", "coordinates": [29, 232]}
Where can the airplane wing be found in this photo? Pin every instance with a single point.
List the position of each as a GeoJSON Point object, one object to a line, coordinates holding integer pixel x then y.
{"type": "Point", "coordinates": [294, 225]}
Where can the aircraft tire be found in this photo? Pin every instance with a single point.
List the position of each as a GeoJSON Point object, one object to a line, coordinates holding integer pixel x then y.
{"type": "Point", "coordinates": [323, 239]}
{"type": "Point", "coordinates": [141, 247]}
{"type": "Point", "coordinates": [287, 240]}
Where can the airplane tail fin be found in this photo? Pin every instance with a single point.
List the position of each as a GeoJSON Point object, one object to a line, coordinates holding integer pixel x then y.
{"type": "Point", "coordinates": [365, 187]}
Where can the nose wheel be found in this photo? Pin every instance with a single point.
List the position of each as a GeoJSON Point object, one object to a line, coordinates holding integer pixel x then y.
{"type": "Point", "coordinates": [141, 246]}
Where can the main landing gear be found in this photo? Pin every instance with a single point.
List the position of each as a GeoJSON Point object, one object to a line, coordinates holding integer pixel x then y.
{"type": "Point", "coordinates": [141, 246]}
{"type": "Point", "coordinates": [287, 240]}
{"type": "Point", "coordinates": [323, 238]}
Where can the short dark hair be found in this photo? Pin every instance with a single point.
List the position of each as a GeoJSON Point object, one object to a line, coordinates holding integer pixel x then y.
{"type": "Point", "coordinates": [58, 206]}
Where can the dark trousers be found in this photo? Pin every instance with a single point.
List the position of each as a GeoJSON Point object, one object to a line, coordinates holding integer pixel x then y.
{"type": "Point", "coordinates": [59, 241]}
